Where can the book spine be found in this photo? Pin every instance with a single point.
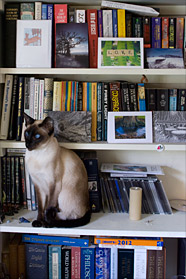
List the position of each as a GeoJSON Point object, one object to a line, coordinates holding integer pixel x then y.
{"type": "Point", "coordinates": [179, 32]}
{"type": "Point", "coordinates": [80, 16]}
{"type": "Point", "coordinates": [162, 99]}
{"type": "Point", "coordinates": [115, 96]}
{"type": "Point", "coordinates": [151, 99]}
{"type": "Point", "coordinates": [140, 263]}
{"type": "Point", "coordinates": [141, 97]}
{"type": "Point", "coordinates": [28, 190]}
{"type": "Point", "coordinates": [172, 32]}
{"type": "Point", "coordinates": [71, 14]}
{"type": "Point", "coordinates": [66, 262]}
{"type": "Point", "coordinates": [115, 23]}
{"type": "Point", "coordinates": [121, 23]}
{"type": "Point", "coordinates": [75, 262]}
{"type": "Point", "coordinates": [36, 98]}
{"type": "Point", "coordinates": [54, 255]}
{"type": "Point", "coordinates": [105, 91]}
{"type": "Point", "coordinates": [113, 262]}
{"type": "Point", "coordinates": [181, 99]}
{"type": "Point", "coordinates": [48, 96]}
{"type": "Point", "coordinates": [12, 173]}
{"type": "Point", "coordinates": [57, 96]}
{"type": "Point", "coordinates": [125, 263]}
{"type": "Point", "coordinates": [44, 11]}
{"type": "Point", "coordinates": [21, 261]}
{"type": "Point", "coordinates": [8, 183]}
{"type": "Point", "coordinates": [93, 37]}
{"type": "Point", "coordinates": [38, 10]}
{"type": "Point", "coordinates": [31, 98]}
{"type": "Point", "coordinates": [165, 32]}
{"type": "Point", "coordinates": [137, 27]}
{"type": "Point", "coordinates": [13, 113]}
{"type": "Point", "coordinates": [50, 11]}
{"type": "Point", "coordinates": [102, 263]}
{"type": "Point", "coordinates": [100, 23]}
{"type": "Point", "coordinates": [80, 97]}
{"type": "Point", "coordinates": [156, 32]}
{"type": "Point", "coordinates": [41, 97]}
{"type": "Point", "coordinates": [128, 17]}
{"type": "Point", "coordinates": [87, 262]}
{"type": "Point", "coordinates": [94, 111]}
{"type": "Point", "coordinates": [184, 50]}
{"type": "Point", "coordinates": [133, 97]}
{"type": "Point", "coordinates": [27, 11]}
{"type": "Point", "coordinates": [173, 99]}
{"type": "Point", "coordinates": [147, 31]}
{"type": "Point", "coordinates": [151, 264]}
{"type": "Point", "coordinates": [23, 182]}
{"type": "Point", "coordinates": [5, 117]}
{"type": "Point", "coordinates": [125, 96]}
{"type": "Point", "coordinates": [17, 181]}
{"type": "Point", "coordinates": [20, 108]}
{"type": "Point", "coordinates": [160, 264]}
{"type": "Point", "coordinates": [99, 111]}
{"type": "Point", "coordinates": [107, 23]}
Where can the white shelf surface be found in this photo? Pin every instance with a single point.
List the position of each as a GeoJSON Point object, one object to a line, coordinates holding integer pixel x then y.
{"type": "Point", "coordinates": [107, 224]}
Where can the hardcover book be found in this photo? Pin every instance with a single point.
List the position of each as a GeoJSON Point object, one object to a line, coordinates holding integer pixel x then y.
{"type": "Point", "coordinates": [92, 37]}
{"type": "Point", "coordinates": [151, 99]}
{"type": "Point", "coordinates": [87, 262]}
{"type": "Point", "coordinates": [72, 126]}
{"type": "Point", "coordinates": [173, 99]}
{"type": "Point", "coordinates": [72, 45]}
{"type": "Point", "coordinates": [115, 96]}
{"type": "Point", "coordinates": [66, 262]}
{"type": "Point", "coordinates": [121, 23]}
{"type": "Point", "coordinates": [172, 32]}
{"type": "Point", "coordinates": [107, 23]}
{"type": "Point", "coordinates": [181, 99]}
{"type": "Point", "coordinates": [147, 31]}
{"type": "Point", "coordinates": [156, 32]}
{"type": "Point", "coordinates": [125, 263]}
{"type": "Point", "coordinates": [100, 23]}
{"type": "Point", "coordinates": [169, 126]}
{"type": "Point", "coordinates": [27, 11]}
{"type": "Point", "coordinates": [165, 32]}
{"type": "Point", "coordinates": [54, 254]}
{"type": "Point", "coordinates": [33, 43]}
{"type": "Point", "coordinates": [162, 99]}
{"type": "Point", "coordinates": [179, 32]}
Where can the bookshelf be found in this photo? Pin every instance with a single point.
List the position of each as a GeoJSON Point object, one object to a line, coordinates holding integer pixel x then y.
{"type": "Point", "coordinates": [172, 158]}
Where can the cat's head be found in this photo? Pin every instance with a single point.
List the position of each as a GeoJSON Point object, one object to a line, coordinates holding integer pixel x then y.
{"type": "Point", "coordinates": [37, 132]}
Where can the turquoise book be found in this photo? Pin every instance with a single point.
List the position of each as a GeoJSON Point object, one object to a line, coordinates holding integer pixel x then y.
{"type": "Point", "coordinates": [54, 253]}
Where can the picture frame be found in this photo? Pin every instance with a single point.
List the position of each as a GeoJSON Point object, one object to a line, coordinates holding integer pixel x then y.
{"type": "Point", "coordinates": [129, 127]}
{"type": "Point", "coordinates": [120, 53]}
{"type": "Point", "coordinates": [34, 44]}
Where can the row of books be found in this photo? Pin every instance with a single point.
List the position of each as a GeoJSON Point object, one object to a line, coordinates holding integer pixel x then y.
{"type": "Point", "coordinates": [31, 252]}
{"type": "Point", "coordinates": [157, 32]}
{"type": "Point", "coordinates": [37, 97]}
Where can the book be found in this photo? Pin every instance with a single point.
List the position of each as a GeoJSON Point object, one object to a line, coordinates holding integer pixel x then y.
{"type": "Point", "coordinates": [105, 98]}
{"type": "Point", "coordinates": [133, 96]}
{"type": "Point", "coordinates": [172, 32]}
{"type": "Point", "coordinates": [38, 10]}
{"type": "Point", "coordinates": [36, 260]}
{"type": "Point", "coordinates": [99, 111]}
{"type": "Point", "coordinates": [113, 262]}
{"type": "Point", "coordinates": [143, 10]}
{"type": "Point", "coordinates": [151, 264]}
{"type": "Point", "coordinates": [44, 11]}
{"type": "Point", "coordinates": [115, 96]}
{"type": "Point", "coordinates": [181, 256]}
{"type": "Point", "coordinates": [36, 98]}
{"type": "Point", "coordinates": [125, 263]}
{"type": "Point", "coordinates": [66, 262]}
{"type": "Point", "coordinates": [140, 263]}
{"type": "Point", "coordinates": [115, 23]}
{"type": "Point", "coordinates": [54, 258]}
{"type": "Point", "coordinates": [121, 23]}
{"type": "Point", "coordinates": [74, 53]}
{"type": "Point", "coordinates": [128, 18]}
{"type": "Point", "coordinates": [23, 182]}
{"type": "Point", "coordinates": [179, 32]}
{"type": "Point", "coordinates": [125, 97]}
{"type": "Point", "coordinates": [57, 90]}
{"type": "Point", "coordinates": [33, 43]}
{"type": "Point", "coordinates": [20, 108]}
{"type": "Point", "coordinates": [92, 37]}
{"type": "Point", "coordinates": [2, 35]}
{"type": "Point", "coordinates": [87, 262]}
{"type": "Point", "coordinates": [165, 32]}
{"type": "Point", "coordinates": [161, 264]}
{"type": "Point", "coordinates": [41, 98]}
{"type": "Point", "coordinates": [173, 99]}
{"type": "Point", "coordinates": [156, 32]}
{"type": "Point", "coordinates": [21, 261]}
{"type": "Point", "coordinates": [181, 99]}
{"type": "Point", "coordinates": [151, 99]}
{"type": "Point", "coordinates": [80, 16]}
{"type": "Point", "coordinates": [184, 47]}
{"type": "Point", "coordinates": [58, 240]}
{"type": "Point", "coordinates": [141, 97]}
{"type": "Point", "coordinates": [100, 23]}
{"type": "Point", "coordinates": [13, 250]}
{"type": "Point", "coordinates": [102, 262]}
{"type": "Point", "coordinates": [50, 12]}
{"type": "Point", "coordinates": [48, 96]}
{"type": "Point", "coordinates": [162, 99]}
{"type": "Point", "coordinates": [107, 23]}
{"type": "Point", "coordinates": [5, 117]}
{"type": "Point", "coordinates": [147, 31]}
{"type": "Point", "coordinates": [27, 11]}
{"type": "Point", "coordinates": [133, 169]}
{"type": "Point", "coordinates": [71, 14]}
{"type": "Point", "coordinates": [75, 262]}
{"type": "Point", "coordinates": [12, 13]}
{"type": "Point", "coordinates": [137, 27]}
{"type": "Point", "coordinates": [94, 112]}
{"type": "Point", "coordinates": [14, 107]}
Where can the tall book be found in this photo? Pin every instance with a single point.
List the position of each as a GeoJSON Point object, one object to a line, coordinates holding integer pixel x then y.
{"type": "Point", "coordinates": [128, 18]}
{"type": "Point", "coordinates": [141, 97]}
{"type": "Point", "coordinates": [147, 31]}
{"type": "Point", "coordinates": [115, 96]}
{"type": "Point", "coordinates": [165, 32]}
{"type": "Point", "coordinates": [75, 262]}
{"type": "Point", "coordinates": [12, 13]}
{"type": "Point", "coordinates": [20, 107]}
{"type": "Point", "coordinates": [151, 264]}
{"type": "Point", "coordinates": [57, 96]}
{"type": "Point", "coordinates": [133, 97]}
{"type": "Point", "coordinates": [156, 32]}
{"type": "Point", "coordinates": [14, 107]}
{"type": "Point", "coordinates": [87, 262]}
{"type": "Point", "coordinates": [36, 260]}
{"type": "Point", "coordinates": [172, 32]}
{"type": "Point", "coordinates": [48, 96]}
{"type": "Point", "coordinates": [125, 97]}
{"type": "Point", "coordinates": [151, 99]}
{"type": "Point", "coordinates": [100, 23]}
{"type": "Point", "coordinates": [2, 27]}
{"type": "Point", "coordinates": [121, 23]}
{"type": "Point", "coordinates": [94, 111]}
{"type": "Point", "coordinates": [66, 262]}
{"type": "Point", "coordinates": [140, 263]}
{"type": "Point", "coordinates": [125, 263]}
{"type": "Point", "coordinates": [113, 262]}
{"type": "Point", "coordinates": [115, 23]}
{"type": "Point", "coordinates": [173, 99]}
{"type": "Point", "coordinates": [38, 10]}
{"type": "Point", "coordinates": [92, 37]}
{"type": "Point", "coordinates": [99, 111]}
{"type": "Point", "coordinates": [179, 32]}
{"type": "Point", "coordinates": [137, 26]}
{"type": "Point", "coordinates": [181, 99]}
{"type": "Point", "coordinates": [7, 99]}
{"type": "Point", "coordinates": [161, 264]}
{"type": "Point", "coordinates": [162, 99]}
{"type": "Point", "coordinates": [107, 23]}
{"type": "Point", "coordinates": [21, 261]}
{"type": "Point", "coordinates": [105, 98]}
{"type": "Point", "coordinates": [102, 263]}
{"type": "Point", "coordinates": [54, 255]}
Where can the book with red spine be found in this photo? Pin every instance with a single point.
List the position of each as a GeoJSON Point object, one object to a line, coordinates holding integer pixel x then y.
{"type": "Point", "coordinates": [92, 21]}
{"type": "Point", "coordinates": [60, 16]}
{"type": "Point", "coordinates": [75, 262]}
{"type": "Point", "coordinates": [147, 31]}
{"type": "Point", "coordinates": [165, 32]}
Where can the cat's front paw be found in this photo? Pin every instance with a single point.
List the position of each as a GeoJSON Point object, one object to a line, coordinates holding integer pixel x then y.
{"type": "Point", "coordinates": [37, 223]}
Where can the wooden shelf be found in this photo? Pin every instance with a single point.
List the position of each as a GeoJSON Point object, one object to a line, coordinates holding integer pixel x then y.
{"type": "Point", "coordinates": [113, 224]}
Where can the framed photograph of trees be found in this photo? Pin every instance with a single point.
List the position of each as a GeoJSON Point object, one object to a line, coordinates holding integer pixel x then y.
{"type": "Point", "coordinates": [120, 53]}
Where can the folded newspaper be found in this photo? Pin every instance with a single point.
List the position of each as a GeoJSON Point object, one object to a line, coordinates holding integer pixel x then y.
{"type": "Point", "coordinates": [141, 10]}
{"type": "Point", "coordinates": [132, 169]}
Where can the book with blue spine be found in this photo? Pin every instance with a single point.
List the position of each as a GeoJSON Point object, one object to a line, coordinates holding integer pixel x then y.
{"type": "Point", "coordinates": [57, 240]}
{"type": "Point", "coordinates": [156, 32]}
{"type": "Point", "coordinates": [102, 263]}
{"type": "Point", "coordinates": [173, 99]}
{"type": "Point", "coordinates": [54, 255]}
{"type": "Point", "coordinates": [50, 11]}
{"type": "Point", "coordinates": [115, 23]}
{"type": "Point", "coordinates": [36, 260]}
{"type": "Point", "coordinates": [87, 262]}
{"type": "Point", "coordinates": [44, 11]}
{"type": "Point", "coordinates": [141, 97]}
{"type": "Point", "coordinates": [100, 23]}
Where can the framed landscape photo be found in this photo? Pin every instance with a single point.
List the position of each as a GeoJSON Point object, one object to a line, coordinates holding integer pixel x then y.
{"type": "Point", "coordinates": [120, 53]}
{"type": "Point", "coordinates": [129, 127]}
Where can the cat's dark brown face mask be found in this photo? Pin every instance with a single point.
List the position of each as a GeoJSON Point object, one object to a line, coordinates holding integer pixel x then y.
{"type": "Point", "coordinates": [37, 132]}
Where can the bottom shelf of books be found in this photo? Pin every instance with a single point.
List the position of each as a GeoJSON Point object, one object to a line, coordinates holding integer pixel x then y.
{"type": "Point", "coordinates": [106, 224]}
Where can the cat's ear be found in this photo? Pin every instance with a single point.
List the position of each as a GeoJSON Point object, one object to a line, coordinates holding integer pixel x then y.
{"type": "Point", "coordinates": [48, 124]}
{"type": "Point", "coordinates": [28, 120]}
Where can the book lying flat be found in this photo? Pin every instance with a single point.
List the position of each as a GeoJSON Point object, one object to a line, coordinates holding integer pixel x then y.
{"type": "Point", "coordinates": [141, 10]}
{"type": "Point", "coordinates": [131, 169]}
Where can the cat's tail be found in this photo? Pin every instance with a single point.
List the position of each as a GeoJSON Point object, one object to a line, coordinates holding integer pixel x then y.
{"type": "Point", "coordinates": [51, 213]}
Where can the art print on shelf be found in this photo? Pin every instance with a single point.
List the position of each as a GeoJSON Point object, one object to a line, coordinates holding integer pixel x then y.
{"type": "Point", "coordinates": [72, 45]}
{"type": "Point", "coordinates": [130, 127]}
{"type": "Point", "coordinates": [164, 58]}
{"type": "Point", "coordinates": [33, 44]}
{"type": "Point", "coordinates": [169, 126]}
{"type": "Point", "coordinates": [120, 53]}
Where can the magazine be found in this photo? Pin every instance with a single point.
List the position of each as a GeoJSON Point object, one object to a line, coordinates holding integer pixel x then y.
{"type": "Point", "coordinates": [131, 168]}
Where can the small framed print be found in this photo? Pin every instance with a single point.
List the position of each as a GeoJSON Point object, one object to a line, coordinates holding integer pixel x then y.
{"type": "Point", "coordinates": [129, 127]}
{"type": "Point", "coordinates": [120, 53]}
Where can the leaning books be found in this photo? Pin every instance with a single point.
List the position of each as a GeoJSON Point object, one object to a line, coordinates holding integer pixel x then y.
{"type": "Point", "coordinates": [33, 43]}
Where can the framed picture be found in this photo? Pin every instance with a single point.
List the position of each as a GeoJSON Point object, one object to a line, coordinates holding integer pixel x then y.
{"type": "Point", "coordinates": [129, 127]}
{"type": "Point", "coordinates": [120, 53]}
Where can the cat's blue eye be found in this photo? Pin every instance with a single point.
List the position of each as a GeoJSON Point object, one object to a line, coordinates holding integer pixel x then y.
{"type": "Point", "coordinates": [26, 134]}
{"type": "Point", "coordinates": [37, 136]}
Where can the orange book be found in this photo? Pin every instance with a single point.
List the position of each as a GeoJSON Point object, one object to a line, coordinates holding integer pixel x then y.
{"type": "Point", "coordinates": [69, 96]}
{"type": "Point", "coordinates": [94, 111]}
{"type": "Point", "coordinates": [121, 23]}
{"type": "Point", "coordinates": [84, 96]}
{"type": "Point", "coordinates": [165, 32]}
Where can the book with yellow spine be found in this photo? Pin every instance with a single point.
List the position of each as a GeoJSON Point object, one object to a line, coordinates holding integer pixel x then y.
{"type": "Point", "coordinates": [121, 24]}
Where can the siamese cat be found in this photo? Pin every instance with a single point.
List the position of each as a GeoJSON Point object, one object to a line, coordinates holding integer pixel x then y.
{"type": "Point", "coordinates": [59, 177]}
